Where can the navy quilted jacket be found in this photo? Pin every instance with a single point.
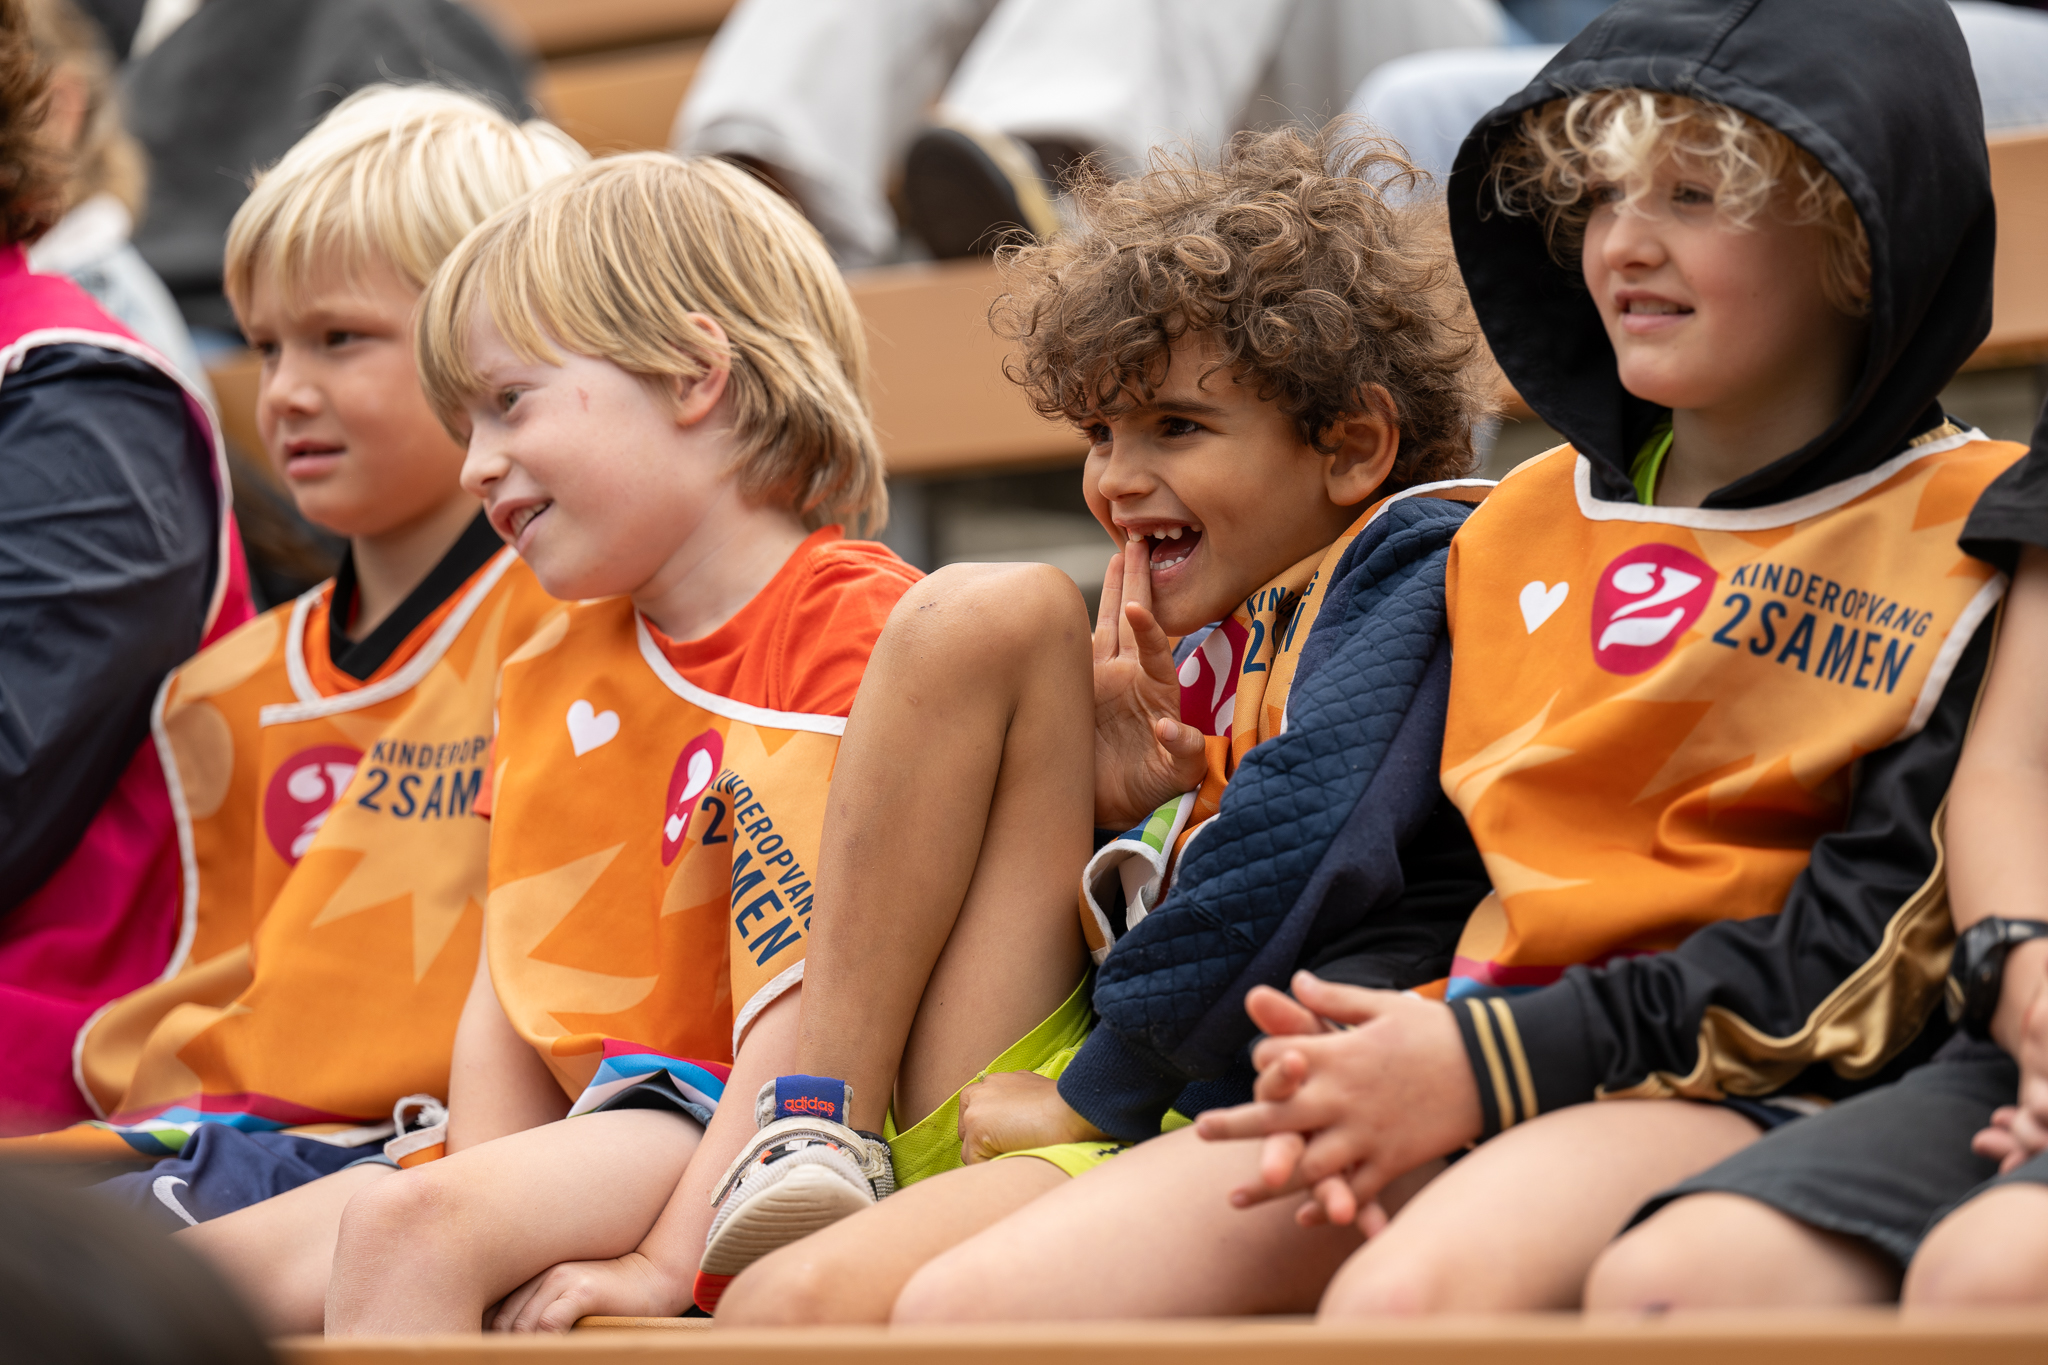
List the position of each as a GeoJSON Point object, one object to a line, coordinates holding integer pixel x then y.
{"type": "Point", "coordinates": [1306, 855]}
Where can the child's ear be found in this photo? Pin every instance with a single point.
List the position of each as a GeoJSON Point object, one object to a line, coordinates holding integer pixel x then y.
{"type": "Point", "coordinates": [695, 398]}
{"type": "Point", "coordinates": [1367, 443]}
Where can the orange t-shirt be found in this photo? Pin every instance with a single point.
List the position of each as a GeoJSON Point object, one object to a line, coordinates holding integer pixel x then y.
{"type": "Point", "coordinates": [803, 641]}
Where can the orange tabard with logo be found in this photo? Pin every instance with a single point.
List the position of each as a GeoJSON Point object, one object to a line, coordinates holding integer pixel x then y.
{"type": "Point", "coordinates": [653, 851]}
{"type": "Point", "coordinates": [1654, 710]}
{"type": "Point", "coordinates": [334, 868]}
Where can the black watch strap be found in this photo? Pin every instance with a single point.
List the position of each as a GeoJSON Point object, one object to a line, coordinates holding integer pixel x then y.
{"type": "Point", "coordinates": [1976, 973]}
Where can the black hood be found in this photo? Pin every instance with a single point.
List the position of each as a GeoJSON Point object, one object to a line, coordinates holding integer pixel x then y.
{"type": "Point", "coordinates": [1881, 93]}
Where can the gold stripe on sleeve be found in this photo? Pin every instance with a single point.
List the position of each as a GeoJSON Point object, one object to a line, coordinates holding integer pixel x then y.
{"type": "Point", "coordinates": [1503, 1101]}
{"type": "Point", "coordinates": [1511, 1038]}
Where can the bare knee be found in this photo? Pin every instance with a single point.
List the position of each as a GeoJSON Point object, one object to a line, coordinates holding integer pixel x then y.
{"type": "Point", "coordinates": [1992, 1252]}
{"type": "Point", "coordinates": [946, 1289]}
{"type": "Point", "coordinates": [396, 1222]}
{"type": "Point", "coordinates": [1010, 609]}
{"type": "Point", "coordinates": [1652, 1267]}
{"type": "Point", "coordinates": [793, 1287]}
{"type": "Point", "coordinates": [1729, 1251]}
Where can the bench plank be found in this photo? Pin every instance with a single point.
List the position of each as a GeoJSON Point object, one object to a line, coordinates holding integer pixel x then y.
{"type": "Point", "coordinates": [1876, 1337]}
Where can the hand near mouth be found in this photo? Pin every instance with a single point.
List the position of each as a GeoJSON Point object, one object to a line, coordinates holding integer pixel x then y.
{"type": "Point", "coordinates": [1144, 755]}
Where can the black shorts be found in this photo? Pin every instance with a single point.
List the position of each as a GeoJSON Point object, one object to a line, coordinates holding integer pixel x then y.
{"type": "Point", "coordinates": [1885, 1166]}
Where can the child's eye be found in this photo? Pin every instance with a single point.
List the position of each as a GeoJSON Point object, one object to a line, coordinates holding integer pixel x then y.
{"type": "Point", "coordinates": [339, 338]}
{"type": "Point", "coordinates": [506, 398]}
{"type": "Point", "coordinates": [1605, 194]}
{"type": "Point", "coordinates": [1695, 196]}
{"type": "Point", "coordinates": [1097, 433]}
{"type": "Point", "coordinates": [266, 350]}
{"type": "Point", "coordinates": [1178, 426]}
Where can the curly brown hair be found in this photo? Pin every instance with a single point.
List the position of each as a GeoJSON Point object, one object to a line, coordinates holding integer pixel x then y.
{"type": "Point", "coordinates": [31, 177]}
{"type": "Point", "coordinates": [1288, 256]}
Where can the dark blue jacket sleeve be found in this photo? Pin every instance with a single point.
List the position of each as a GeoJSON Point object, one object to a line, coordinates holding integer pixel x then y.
{"type": "Point", "coordinates": [108, 525]}
{"type": "Point", "coordinates": [1307, 839]}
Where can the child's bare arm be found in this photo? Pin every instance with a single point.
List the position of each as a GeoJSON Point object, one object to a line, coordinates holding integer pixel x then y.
{"type": "Point", "coordinates": [497, 1083]}
{"type": "Point", "coordinates": [1370, 1102]}
{"type": "Point", "coordinates": [1144, 755]}
{"type": "Point", "coordinates": [1998, 861]}
{"type": "Point", "coordinates": [657, 1278]}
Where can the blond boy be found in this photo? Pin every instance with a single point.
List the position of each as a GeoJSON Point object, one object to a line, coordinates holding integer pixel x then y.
{"type": "Point", "coordinates": [326, 757]}
{"type": "Point", "coordinates": [660, 374]}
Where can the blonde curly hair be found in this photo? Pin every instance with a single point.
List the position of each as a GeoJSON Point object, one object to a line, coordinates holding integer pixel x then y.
{"type": "Point", "coordinates": [1290, 258]}
{"type": "Point", "coordinates": [1565, 149]}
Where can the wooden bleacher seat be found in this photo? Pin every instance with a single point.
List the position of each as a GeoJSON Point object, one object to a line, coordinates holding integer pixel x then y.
{"type": "Point", "coordinates": [2019, 291]}
{"type": "Point", "coordinates": [1837, 1338]}
{"type": "Point", "coordinates": [557, 28]}
{"type": "Point", "coordinates": [620, 101]}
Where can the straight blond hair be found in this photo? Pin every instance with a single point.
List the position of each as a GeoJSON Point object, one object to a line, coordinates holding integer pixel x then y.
{"type": "Point", "coordinates": [612, 261]}
{"type": "Point", "coordinates": [393, 178]}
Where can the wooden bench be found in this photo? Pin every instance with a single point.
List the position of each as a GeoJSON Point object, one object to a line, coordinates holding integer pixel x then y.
{"type": "Point", "coordinates": [560, 28]}
{"type": "Point", "coordinates": [620, 101]}
{"type": "Point", "coordinates": [1839, 1338]}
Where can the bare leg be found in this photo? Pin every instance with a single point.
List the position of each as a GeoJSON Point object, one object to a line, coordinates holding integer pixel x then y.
{"type": "Point", "coordinates": [1729, 1251]}
{"type": "Point", "coordinates": [1991, 1252]}
{"type": "Point", "coordinates": [431, 1248]}
{"type": "Point", "coordinates": [1518, 1223]}
{"type": "Point", "coordinates": [1148, 1234]}
{"type": "Point", "coordinates": [959, 822]}
{"type": "Point", "coordinates": [277, 1254]}
{"type": "Point", "coordinates": [853, 1270]}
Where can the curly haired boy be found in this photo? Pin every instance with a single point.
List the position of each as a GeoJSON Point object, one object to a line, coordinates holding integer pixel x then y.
{"type": "Point", "coordinates": [1275, 372]}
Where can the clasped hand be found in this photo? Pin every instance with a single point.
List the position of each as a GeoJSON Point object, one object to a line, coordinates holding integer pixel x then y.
{"type": "Point", "coordinates": [1345, 1111]}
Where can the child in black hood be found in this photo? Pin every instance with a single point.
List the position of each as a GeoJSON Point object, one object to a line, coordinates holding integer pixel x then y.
{"type": "Point", "coordinates": [1714, 660]}
{"type": "Point", "coordinates": [1941, 1179]}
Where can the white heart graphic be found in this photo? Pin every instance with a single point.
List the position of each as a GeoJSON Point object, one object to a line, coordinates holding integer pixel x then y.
{"type": "Point", "coordinates": [588, 729]}
{"type": "Point", "coordinates": [1539, 602]}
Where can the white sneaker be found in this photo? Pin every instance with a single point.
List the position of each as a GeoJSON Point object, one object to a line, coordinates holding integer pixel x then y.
{"type": "Point", "coordinates": [804, 1170]}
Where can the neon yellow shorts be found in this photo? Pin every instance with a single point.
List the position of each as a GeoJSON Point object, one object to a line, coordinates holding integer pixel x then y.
{"type": "Point", "coordinates": [931, 1146]}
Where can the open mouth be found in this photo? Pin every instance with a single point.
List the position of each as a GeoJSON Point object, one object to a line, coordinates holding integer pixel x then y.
{"type": "Point", "coordinates": [1172, 544]}
{"type": "Point", "coordinates": [523, 517]}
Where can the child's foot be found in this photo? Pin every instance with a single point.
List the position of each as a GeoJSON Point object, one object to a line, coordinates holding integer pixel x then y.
{"type": "Point", "coordinates": [804, 1170]}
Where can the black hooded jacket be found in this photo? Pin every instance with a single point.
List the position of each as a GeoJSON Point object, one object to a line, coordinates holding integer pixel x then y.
{"type": "Point", "coordinates": [1881, 92]}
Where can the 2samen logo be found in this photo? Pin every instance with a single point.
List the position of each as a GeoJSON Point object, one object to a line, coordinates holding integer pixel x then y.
{"type": "Point", "coordinates": [301, 792]}
{"type": "Point", "coordinates": [695, 766]}
{"type": "Point", "coordinates": [1646, 599]}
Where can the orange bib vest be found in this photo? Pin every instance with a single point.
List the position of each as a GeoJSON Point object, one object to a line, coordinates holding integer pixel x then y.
{"type": "Point", "coordinates": [1654, 710]}
{"type": "Point", "coordinates": [653, 856]}
{"type": "Point", "coordinates": [334, 871]}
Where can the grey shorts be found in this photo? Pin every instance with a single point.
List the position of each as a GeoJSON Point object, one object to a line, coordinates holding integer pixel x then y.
{"type": "Point", "coordinates": [1885, 1166]}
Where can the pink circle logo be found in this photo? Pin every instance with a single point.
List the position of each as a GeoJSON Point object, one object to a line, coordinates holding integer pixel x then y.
{"type": "Point", "coordinates": [1646, 598]}
{"type": "Point", "coordinates": [696, 765]}
{"type": "Point", "coordinates": [301, 792]}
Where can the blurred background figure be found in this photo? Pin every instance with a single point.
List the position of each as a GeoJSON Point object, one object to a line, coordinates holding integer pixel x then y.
{"type": "Point", "coordinates": [85, 1282]}
{"type": "Point", "coordinates": [985, 104]}
{"type": "Point", "coordinates": [1428, 101]}
{"type": "Point", "coordinates": [237, 82]}
{"type": "Point", "coordinates": [118, 559]}
{"type": "Point", "coordinates": [105, 191]}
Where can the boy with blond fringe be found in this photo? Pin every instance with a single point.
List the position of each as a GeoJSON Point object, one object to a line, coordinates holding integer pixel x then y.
{"type": "Point", "coordinates": [659, 372]}
{"type": "Point", "coordinates": [326, 757]}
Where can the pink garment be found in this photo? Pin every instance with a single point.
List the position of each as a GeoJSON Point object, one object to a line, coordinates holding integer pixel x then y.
{"type": "Point", "coordinates": [110, 919]}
